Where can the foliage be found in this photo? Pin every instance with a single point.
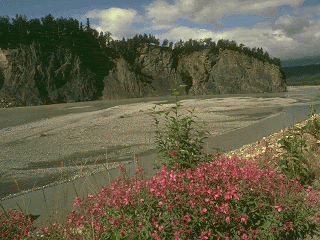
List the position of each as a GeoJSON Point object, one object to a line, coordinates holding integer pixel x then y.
{"type": "Point", "coordinates": [50, 33]}
{"type": "Point", "coordinates": [178, 147]}
{"type": "Point", "coordinates": [313, 80]}
{"type": "Point", "coordinates": [293, 164]}
{"type": "Point", "coordinates": [193, 199]}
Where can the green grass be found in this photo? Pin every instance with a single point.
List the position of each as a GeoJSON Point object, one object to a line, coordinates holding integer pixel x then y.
{"type": "Point", "coordinates": [185, 208]}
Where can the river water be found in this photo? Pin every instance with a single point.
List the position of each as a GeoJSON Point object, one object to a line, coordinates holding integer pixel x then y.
{"type": "Point", "coordinates": [19, 148]}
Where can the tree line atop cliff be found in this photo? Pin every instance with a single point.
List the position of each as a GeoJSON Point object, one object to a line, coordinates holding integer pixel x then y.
{"type": "Point", "coordinates": [87, 42]}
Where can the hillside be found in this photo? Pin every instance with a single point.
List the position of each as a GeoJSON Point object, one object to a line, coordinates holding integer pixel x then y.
{"type": "Point", "coordinates": [302, 75]}
{"type": "Point", "coordinates": [298, 71]}
{"type": "Point", "coordinates": [152, 72]}
{"type": "Point", "coordinates": [302, 61]}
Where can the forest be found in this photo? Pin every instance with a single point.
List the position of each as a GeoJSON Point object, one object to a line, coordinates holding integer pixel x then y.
{"type": "Point", "coordinates": [93, 48]}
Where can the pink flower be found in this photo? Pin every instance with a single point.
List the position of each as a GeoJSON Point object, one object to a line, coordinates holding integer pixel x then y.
{"type": "Point", "coordinates": [125, 201]}
{"type": "Point", "coordinates": [173, 153]}
{"type": "Point", "coordinates": [160, 203]}
{"type": "Point", "coordinates": [244, 218]}
{"type": "Point", "coordinates": [278, 208]}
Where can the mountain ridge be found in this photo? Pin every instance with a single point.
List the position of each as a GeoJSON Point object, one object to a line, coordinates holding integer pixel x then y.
{"type": "Point", "coordinates": [304, 61]}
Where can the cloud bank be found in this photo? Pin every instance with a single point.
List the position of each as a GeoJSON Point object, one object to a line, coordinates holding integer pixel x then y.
{"type": "Point", "coordinates": [291, 35]}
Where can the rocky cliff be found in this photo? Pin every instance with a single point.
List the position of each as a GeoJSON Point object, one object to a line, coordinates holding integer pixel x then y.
{"type": "Point", "coordinates": [29, 77]}
{"type": "Point", "coordinates": [229, 72]}
{"type": "Point", "coordinates": [62, 78]}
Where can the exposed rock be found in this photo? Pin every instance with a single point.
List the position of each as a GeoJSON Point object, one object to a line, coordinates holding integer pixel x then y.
{"type": "Point", "coordinates": [200, 72]}
{"type": "Point", "coordinates": [205, 73]}
{"type": "Point", "coordinates": [122, 83]}
{"type": "Point", "coordinates": [158, 65]}
{"type": "Point", "coordinates": [155, 79]}
{"type": "Point", "coordinates": [228, 73]}
{"type": "Point", "coordinates": [34, 79]}
{"type": "Point", "coordinates": [8, 101]}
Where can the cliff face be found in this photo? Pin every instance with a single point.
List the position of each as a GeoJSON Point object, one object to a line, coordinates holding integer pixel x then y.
{"type": "Point", "coordinates": [229, 72]}
{"type": "Point", "coordinates": [31, 80]}
{"type": "Point", "coordinates": [236, 72]}
{"type": "Point", "coordinates": [151, 76]}
{"type": "Point", "coordinates": [61, 79]}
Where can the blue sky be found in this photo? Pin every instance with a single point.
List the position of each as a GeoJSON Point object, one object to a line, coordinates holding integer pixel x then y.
{"type": "Point", "coordinates": [287, 29]}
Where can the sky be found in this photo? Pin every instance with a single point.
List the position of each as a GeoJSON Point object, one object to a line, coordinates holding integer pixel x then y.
{"type": "Point", "coordinates": [286, 29]}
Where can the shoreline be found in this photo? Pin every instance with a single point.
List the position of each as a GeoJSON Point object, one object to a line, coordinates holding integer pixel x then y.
{"type": "Point", "coordinates": [54, 195]}
{"type": "Point", "coordinates": [93, 134]}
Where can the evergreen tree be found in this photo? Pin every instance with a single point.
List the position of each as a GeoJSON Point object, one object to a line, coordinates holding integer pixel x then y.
{"type": "Point", "coordinates": [165, 43]}
{"type": "Point", "coordinates": [233, 46]}
{"type": "Point", "coordinates": [95, 33]}
{"type": "Point", "coordinates": [34, 29]}
{"type": "Point", "coordinates": [4, 31]}
{"type": "Point", "coordinates": [81, 27]}
{"type": "Point", "coordinates": [47, 32]}
{"type": "Point", "coordinates": [13, 36]}
{"type": "Point", "coordinates": [108, 37]}
{"type": "Point", "coordinates": [207, 41]}
{"type": "Point", "coordinates": [19, 27]}
{"type": "Point", "coordinates": [222, 44]}
{"type": "Point", "coordinates": [266, 55]}
{"type": "Point", "coordinates": [241, 47]}
{"type": "Point", "coordinates": [88, 28]}
{"type": "Point", "coordinates": [246, 50]}
{"type": "Point", "coordinates": [102, 40]}
{"type": "Point", "coordinates": [260, 53]}
{"type": "Point", "coordinates": [196, 45]}
{"type": "Point", "coordinates": [178, 44]}
{"type": "Point", "coordinates": [254, 51]}
{"type": "Point", "coordinates": [145, 38]}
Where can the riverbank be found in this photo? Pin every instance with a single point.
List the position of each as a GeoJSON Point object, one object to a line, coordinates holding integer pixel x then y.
{"type": "Point", "coordinates": [264, 149]}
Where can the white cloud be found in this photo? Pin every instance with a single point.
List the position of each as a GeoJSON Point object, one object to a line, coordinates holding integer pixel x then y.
{"type": "Point", "coordinates": [211, 11]}
{"type": "Point", "coordinates": [296, 32]}
{"type": "Point", "coordinates": [163, 15]}
{"type": "Point", "coordinates": [115, 20]}
{"type": "Point", "coordinates": [292, 25]}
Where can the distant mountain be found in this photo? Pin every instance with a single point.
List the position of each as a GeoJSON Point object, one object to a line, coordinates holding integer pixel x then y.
{"type": "Point", "coordinates": [301, 61]}
{"type": "Point", "coordinates": [298, 71]}
{"type": "Point", "coordinates": [302, 71]}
